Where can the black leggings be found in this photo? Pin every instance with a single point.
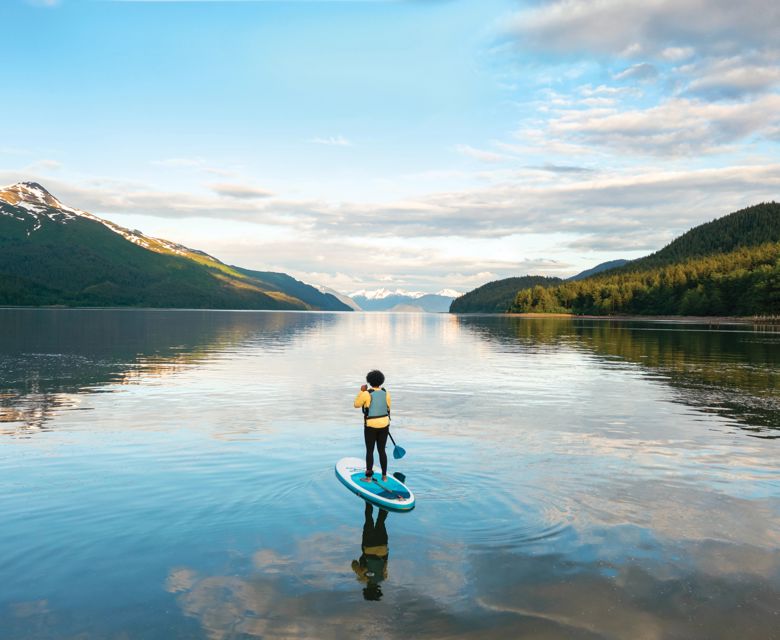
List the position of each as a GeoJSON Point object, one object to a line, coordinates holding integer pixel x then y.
{"type": "Point", "coordinates": [378, 437]}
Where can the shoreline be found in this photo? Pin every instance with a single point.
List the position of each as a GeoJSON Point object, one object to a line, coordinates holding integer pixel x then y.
{"type": "Point", "coordinates": [752, 320]}
{"type": "Point", "coordinates": [771, 320]}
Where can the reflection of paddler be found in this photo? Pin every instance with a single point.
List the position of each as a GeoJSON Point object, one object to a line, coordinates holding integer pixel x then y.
{"type": "Point", "coordinates": [372, 566]}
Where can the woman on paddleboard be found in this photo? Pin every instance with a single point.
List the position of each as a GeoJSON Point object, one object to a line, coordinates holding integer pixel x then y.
{"type": "Point", "coordinates": [374, 400]}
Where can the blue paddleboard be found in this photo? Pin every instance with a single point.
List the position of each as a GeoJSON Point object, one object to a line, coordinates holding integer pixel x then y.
{"type": "Point", "coordinates": [390, 494]}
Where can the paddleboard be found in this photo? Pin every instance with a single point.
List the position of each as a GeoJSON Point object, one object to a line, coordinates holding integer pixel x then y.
{"type": "Point", "coordinates": [389, 494]}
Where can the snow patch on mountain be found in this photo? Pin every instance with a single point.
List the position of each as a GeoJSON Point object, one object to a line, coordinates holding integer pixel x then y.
{"type": "Point", "coordinates": [37, 203]}
{"type": "Point", "coordinates": [341, 297]}
{"type": "Point", "coordinates": [380, 294]}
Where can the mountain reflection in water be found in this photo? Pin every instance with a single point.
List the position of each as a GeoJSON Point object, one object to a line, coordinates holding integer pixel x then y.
{"type": "Point", "coordinates": [48, 358]}
{"type": "Point", "coordinates": [732, 370]}
{"type": "Point", "coordinates": [169, 475]}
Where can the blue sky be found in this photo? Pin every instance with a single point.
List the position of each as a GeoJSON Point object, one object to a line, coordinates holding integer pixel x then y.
{"type": "Point", "coordinates": [419, 144]}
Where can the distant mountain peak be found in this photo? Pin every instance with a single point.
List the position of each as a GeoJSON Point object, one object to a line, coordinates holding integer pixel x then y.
{"type": "Point", "coordinates": [382, 293]}
{"type": "Point", "coordinates": [33, 186]}
{"type": "Point", "coordinates": [29, 192]}
{"type": "Point", "coordinates": [32, 202]}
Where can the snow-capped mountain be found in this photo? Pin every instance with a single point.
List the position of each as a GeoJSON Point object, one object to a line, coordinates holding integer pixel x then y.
{"type": "Point", "coordinates": [51, 253]}
{"type": "Point", "coordinates": [341, 297]}
{"type": "Point", "coordinates": [30, 202]}
{"type": "Point", "coordinates": [402, 300]}
{"type": "Point", "coordinates": [379, 294]}
{"type": "Point", "coordinates": [39, 205]}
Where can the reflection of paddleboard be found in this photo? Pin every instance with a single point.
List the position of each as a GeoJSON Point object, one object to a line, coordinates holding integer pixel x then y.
{"type": "Point", "coordinates": [390, 494]}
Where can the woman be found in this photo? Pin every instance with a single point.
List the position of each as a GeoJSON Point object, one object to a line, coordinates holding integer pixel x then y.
{"type": "Point", "coordinates": [375, 403]}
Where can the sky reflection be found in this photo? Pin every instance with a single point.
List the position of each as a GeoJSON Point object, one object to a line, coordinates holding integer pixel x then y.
{"type": "Point", "coordinates": [571, 481]}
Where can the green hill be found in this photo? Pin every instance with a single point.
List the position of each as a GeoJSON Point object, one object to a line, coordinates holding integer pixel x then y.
{"type": "Point", "coordinates": [730, 266]}
{"type": "Point", "coordinates": [499, 295]}
{"type": "Point", "coordinates": [51, 254]}
{"type": "Point", "coordinates": [745, 228]}
{"type": "Point", "coordinates": [311, 296]}
{"type": "Point", "coordinates": [604, 266]}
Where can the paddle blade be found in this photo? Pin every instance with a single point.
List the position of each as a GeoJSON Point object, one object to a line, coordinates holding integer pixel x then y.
{"type": "Point", "coordinates": [398, 452]}
{"type": "Point", "coordinates": [401, 477]}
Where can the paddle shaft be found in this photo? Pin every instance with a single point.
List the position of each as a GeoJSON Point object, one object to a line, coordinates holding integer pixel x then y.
{"type": "Point", "coordinates": [393, 491]}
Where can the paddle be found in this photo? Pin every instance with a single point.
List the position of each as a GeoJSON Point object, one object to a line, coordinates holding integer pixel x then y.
{"type": "Point", "coordinates": [398, 452]}
{"type": "Point", "coordinates": [388, 489]}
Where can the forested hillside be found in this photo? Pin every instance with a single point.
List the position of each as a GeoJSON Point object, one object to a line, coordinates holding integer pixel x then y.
{"type": "Point", "coordinates": [51, 254]}
{"type": "Point", "coordinates": [745, 228]}
{"type": "Point", "coordinates": [499, 295]}
{"type": "Point", "coordinates": [728, 267]}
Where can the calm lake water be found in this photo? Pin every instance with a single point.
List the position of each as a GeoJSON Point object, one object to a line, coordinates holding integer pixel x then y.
{"type": "Point", "coordinates": [169, 474]}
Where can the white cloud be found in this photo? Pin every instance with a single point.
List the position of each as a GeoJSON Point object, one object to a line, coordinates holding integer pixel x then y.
{"type": "Point", "coordinates": [576, 203]}
{"type": "Point", "coordinates": [734, 77]}
{"type": "Point", "coordinates": [480, 154]}
{"type": "Point", "coordinates": [678, 127]}
{"type": "Point", "coordinates": [726, 49]}
{"type": "Point", "coordinates": [333, 141]}
{"type": "Point", "coordinates": [667, 29]}
{"type": "Point", "coordinates": [642, 71]}
{"type": "Point", "coordinates": [44, 165]}
{"type": "Point", "coordinates": [177, 163]}
{"type": "Point", "coordinates": [243, 191]}
{"type": "Point", "coordinates": [676, 54]}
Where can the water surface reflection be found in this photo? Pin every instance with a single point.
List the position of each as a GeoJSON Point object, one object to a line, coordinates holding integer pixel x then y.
{"type": "Point", "coordinates": [731, 370]}
{"type": "Point", "coordinates": [575, 479]}
{"type": "Point", "coordinates": [48, 358]}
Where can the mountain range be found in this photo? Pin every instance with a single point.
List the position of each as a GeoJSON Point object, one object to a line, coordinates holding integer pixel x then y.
{"type": "Point", "coordinates": [407, 301]}
{"type": "Point", "coordinates": [53, 254]}
{"type": "Point", "coordinates": [499, 295]}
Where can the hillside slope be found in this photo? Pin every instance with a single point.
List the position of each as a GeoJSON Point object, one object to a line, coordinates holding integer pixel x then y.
{"type": "Point", "coordinates": [604, 266]}
{"type": "Point", "coordinates": [308, 294]}
{"type": "Point", "coordinates": [730, 266]}
{"type": "Point", "coordinates": [744, 228]}
{"type": "Point", "coordinates": [498, 296]}
{"type": "Point", "coordinates": [51, 254]}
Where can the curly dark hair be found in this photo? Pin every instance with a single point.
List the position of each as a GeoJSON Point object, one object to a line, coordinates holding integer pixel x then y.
{"type": "Point", "coordinates": [372, 592]}
{"type": "Point", "coordinates": [375, 378]}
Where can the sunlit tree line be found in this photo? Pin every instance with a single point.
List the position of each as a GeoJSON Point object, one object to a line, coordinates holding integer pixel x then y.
{"type": "Point", "coordinates": [741, 282]}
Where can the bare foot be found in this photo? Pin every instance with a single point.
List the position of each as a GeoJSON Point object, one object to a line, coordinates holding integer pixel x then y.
{"type": "Point", "coordinates": [366, 479]}
{"type": "Point", "coordinates": [384, 478]}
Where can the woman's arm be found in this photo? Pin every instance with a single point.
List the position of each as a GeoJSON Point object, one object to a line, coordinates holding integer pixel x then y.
{"type": "Point", "coordinates": [363, 399]}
